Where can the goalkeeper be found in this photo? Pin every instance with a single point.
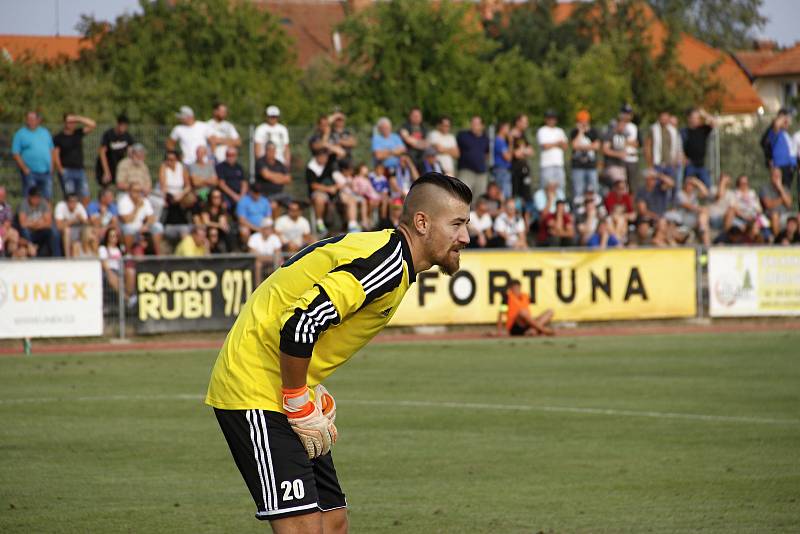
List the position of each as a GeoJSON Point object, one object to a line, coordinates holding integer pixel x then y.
{"type": "Point", "coordinates": [303, 322]}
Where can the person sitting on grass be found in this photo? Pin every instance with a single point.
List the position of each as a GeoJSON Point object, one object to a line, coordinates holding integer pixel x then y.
{"type": "Point", "coordinates": [518, 320]}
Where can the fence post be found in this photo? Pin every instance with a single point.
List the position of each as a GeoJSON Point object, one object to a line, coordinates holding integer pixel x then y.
{"type": "Point", "coordinates": [699, 280]}
{"type": "Point", "coordinates": [252, 154]}
{"type": "Point", "coordinates": [121, 304]}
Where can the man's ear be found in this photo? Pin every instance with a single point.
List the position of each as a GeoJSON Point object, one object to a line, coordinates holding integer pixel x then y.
{"type": "Point", "coordinates": [421, 223]}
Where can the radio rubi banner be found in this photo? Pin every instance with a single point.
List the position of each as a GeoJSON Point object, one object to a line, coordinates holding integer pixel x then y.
{"type": "Point", "coordinates": [191, 294]}
{"type": "Point", "coordinates": [754, 281]}
{"type": "Point", "coordinates": [578, 286]}
{"type": "Point", "coordinates": [43, 298]}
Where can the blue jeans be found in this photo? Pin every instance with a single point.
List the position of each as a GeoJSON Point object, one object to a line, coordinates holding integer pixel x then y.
{"type": "Point", "coordinates": [584, 178]}
{"type": "Point", "coordinates": [74, 181]}
{"type": "Point", "coordinates": [502, 177]}
{"type": "Point", "coordinates": [700, 172]}
{"type": "Point", "coordinates": [43, 180]}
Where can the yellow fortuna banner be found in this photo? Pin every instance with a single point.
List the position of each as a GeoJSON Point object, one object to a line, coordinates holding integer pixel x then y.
{"type": "Point", "coordinates": [578, 286]}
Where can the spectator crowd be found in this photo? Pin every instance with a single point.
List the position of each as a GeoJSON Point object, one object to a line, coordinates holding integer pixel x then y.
{"type": "Point", "coordinates": [599, 187]}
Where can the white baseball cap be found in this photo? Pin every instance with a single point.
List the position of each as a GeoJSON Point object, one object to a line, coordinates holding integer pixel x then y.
{"type": "Point", "coordinates": [273, 111]}
{"type": "Point", "coordinates": [185, 112]}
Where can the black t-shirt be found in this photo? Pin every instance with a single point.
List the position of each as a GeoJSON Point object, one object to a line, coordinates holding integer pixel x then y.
{"type": "Point", "coordinates": [233, 176]}
{"type": "Point", "coordinates": [269, 188]}
{"type": "Point", "coordinates": [695, 141]}
{"type": "Point", "coordinates": [419, 132]}
{"type": "Point", "coordinates": [70, 148]}
{"type": "Point", "coordinates": [584, 159]}
{"type": "Point", "coordinates": [116, 148]}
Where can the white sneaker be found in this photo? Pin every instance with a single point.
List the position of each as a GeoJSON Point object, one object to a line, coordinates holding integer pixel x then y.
{"type": "Point", "coordinates": [321, 228]}
{"type": "Point", "coordinates": [353, 227]}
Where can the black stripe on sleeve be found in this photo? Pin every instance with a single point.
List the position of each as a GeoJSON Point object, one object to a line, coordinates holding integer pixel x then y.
{"type": "Point", "coordinates": [380, 272]}
{"type": "Point", "coordinates": [301, 331]}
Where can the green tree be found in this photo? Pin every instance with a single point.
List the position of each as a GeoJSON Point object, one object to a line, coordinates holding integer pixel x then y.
{"type": "Point", "coordinates": [728, 24]}
{"type": "Point", "coordinates": [436, 56]}
{"type": "Point", "coordinates": [598, 81]}
{"type": "Point", "coordinates": [181, 52]}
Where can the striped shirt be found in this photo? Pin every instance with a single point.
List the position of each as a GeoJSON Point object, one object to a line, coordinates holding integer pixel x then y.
{"type": "Point", "coordinates": [324, 303]}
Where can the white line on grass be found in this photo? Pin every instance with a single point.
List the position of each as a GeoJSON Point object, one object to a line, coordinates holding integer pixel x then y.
{"type": "Point", "coordinates": [441, 404]}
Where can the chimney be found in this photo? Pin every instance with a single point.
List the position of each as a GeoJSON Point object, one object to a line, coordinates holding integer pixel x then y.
{"type": "Point", "coordinates": [765, 45]}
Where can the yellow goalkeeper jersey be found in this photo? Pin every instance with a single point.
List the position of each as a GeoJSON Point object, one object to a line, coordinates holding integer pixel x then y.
{"type": "Point", "coordinates": [325, 302]}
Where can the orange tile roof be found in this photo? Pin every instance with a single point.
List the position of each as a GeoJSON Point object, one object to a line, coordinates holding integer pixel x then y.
{"type": "Point", "coordinates": [739, 95]}
{"type": "Point", "coordinates": [781, 64]}
{"type": "Point", "coordinates": [42, 47]}
{"type": "Point", "coordinates": [751, 60]}
{"type": "Point", "coordinates": [311, 23]}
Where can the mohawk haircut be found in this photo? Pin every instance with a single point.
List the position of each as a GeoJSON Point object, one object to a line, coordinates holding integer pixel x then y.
{"type": "Point", "coordinates": [454, 186]}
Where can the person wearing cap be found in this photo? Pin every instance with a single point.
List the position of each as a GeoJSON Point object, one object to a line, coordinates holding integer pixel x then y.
{"type": "Point", "coordinates": [266, 246]}
{"type": "Point", "coordinates": [632, 143]}
{"type": "Point", "coordinates": [614, 153]}
{"type": "Point", "coordinates": [113, 148]}
{"type": "Point", "coordinates": [32, 150]}
{"type": "Point", "coordinates": [272, 131]}
{"type": "Point", "coordinates": [189, 134]}
{"type": "Point", "coordinates": [68, 155]}
{"type": "Point", "coordinates": [552, 143]}
{"type": "Point", "coordinates": [429, 161]}
{"type": "Point", "coordinates": [663, 149]}
{"type": "Point", "coordinates": [585, 143]}
{"type": "Point", "coordinates": [222, 135]}
{"type": "Point", "coordinates": [194, 244]}
{"type": "Point", "coordinates": [250, 211]}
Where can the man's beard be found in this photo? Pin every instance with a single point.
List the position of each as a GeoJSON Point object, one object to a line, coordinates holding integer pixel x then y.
{"type": "Point", "coordinates": [448, 265]}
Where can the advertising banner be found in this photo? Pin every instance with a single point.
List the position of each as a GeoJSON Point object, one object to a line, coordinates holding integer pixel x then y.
{"type": "Point", "coordinates": [754, 281]}
{"type": "Point", "coordinates": [577, 285]}
{"type": "Point", "coordinates": [191, 294]}
{"type": "Point", "coordinates": [42, 298]}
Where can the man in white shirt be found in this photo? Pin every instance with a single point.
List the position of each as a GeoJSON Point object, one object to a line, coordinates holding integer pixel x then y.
{"type": "Point", "coordinates": [137, 217]}
{"type": "Point", "coordinates": [190, 134]}
{"type": "Point", "coordinates": [480, 225]}
{"type": "Point", "coordinates": [293, 229]}
{"type": "Point", "coordinates": [266, 246]}
{"type": "Point", "coordinates": [445, 145]}
{"type": "Point", "coordinates": [70, 217]}
{"type": "Point", "coordinates": [552, 143]}
{"type": "Point", "coordinates": [273, 132]}
{"type": "Point", "coordinates": [222, 134]}
{"type": "Point", "coordinates": [631, 147]}
{"type": "Point", "coordinates": [511, 227]}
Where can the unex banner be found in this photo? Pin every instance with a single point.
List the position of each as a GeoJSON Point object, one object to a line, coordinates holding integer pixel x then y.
{"type": "Point", "coordinates": [191, 294]}
{"type": "Point", "coordinates": [579, 285]}
{"type": "Point", "coordinates": [51, 298]}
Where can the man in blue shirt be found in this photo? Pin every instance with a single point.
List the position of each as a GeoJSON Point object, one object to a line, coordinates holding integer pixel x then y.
{"type": "Point", "coordinates": [502, 155]}
{"type": "Point", "coordinates": [473, 147]}
{"type": "Point", "coordinates": [250, 211]}
{"type": "Point", "coordinates": [387, 145]}
{"type": "Point", "coordinates": [32, 150]}
{"type": "Point", "coordinates": [783, 157]}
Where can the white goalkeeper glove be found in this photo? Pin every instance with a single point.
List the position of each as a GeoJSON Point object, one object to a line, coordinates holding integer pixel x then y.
{"type": "Point", "coordinates": [316, 431]}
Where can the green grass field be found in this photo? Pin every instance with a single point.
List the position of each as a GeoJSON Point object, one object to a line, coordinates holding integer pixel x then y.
{"type": "Point", "coordinates": [634, 434]}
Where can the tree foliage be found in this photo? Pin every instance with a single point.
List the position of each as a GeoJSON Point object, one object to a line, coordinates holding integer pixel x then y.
{"type": "Point", "coordinates": [727, 24]}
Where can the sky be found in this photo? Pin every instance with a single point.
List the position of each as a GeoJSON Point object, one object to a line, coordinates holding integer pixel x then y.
{"type": "Point", "coordinates": [49, 17]}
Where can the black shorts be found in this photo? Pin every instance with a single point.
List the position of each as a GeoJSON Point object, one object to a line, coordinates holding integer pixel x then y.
{"type": "Point", "coordinates": [275, 466]}
{"type": "Point", "coordinates": [517, 330]}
